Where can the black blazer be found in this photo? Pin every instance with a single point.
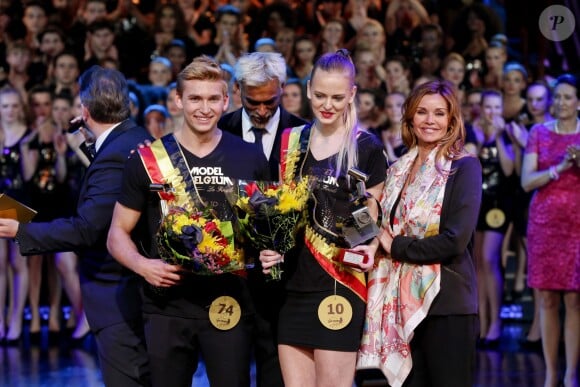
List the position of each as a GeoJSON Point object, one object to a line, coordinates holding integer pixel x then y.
{"type": "Point", "coordinates": [110, 291]}
{"type": "Point", "coordinates": [453, 246]}
{"type": "Point", "coordinates": [232, 122]}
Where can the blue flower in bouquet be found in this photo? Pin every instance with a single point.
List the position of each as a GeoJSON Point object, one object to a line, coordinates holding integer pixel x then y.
{"type": "Point", "coordinates": [198, 242]}
{"type": "Point", "coordinates": [191, 236]}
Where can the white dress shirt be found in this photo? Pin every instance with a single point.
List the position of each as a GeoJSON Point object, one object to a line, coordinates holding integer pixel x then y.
{"type": "Point", "coordinates": [269, 135]}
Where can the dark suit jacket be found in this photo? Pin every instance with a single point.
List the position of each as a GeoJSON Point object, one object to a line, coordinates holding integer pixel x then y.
{"type": "Point", "coordinates": [110, 291]}
{"type": "Point", "coordinates": [232, 122]}
{"type": "Point", "coordinates": [453, 246]}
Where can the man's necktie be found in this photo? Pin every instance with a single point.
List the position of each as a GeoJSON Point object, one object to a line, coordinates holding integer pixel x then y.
{"type": "Point", "coordinates": [258, 133]}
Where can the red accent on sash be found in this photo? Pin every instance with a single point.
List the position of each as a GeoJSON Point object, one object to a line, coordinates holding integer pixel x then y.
{"type": "Point", "coordinates": [341, 276]}
{"type": "Point", "coordinates": [153, 170]}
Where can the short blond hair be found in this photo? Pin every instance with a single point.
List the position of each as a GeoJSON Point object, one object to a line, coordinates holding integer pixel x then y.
{"type": "Point", "coordinates": [202, 68]}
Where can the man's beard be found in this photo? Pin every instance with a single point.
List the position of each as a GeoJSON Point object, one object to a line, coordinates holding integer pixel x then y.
{"type": "Point", "coordinates": [260, 122]}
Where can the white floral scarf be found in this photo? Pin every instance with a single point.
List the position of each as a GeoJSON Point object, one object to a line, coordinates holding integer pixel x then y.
{"type": "Point", "coordinates": [400, 294]}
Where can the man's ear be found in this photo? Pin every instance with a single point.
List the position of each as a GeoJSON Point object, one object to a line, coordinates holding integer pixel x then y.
{"type": "Point", "coordinates": [236, 87]}
{"type": "Point", "coordinates": [84, 113]}
{"type": "Point", "coordinates": [226, 102]}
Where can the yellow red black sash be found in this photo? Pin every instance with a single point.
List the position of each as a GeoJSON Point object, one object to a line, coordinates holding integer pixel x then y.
{"type": "Point", "coordinates": [165, 164]}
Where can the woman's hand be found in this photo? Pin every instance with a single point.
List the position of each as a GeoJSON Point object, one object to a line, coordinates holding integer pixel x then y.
{"type": "Point", "coordinates": [566, 163]}
{"type": "Point", "coordinates": [269, 258]}
{"type": "Point", "coordinates": [497, 126]}
{"type": "Point", "coordinates": [492, 127]}
{"type": "Point", "coordinates": [574, 154]}
{"type": "Point", "coordinates": [498, 123]}
{"type": "Point", "coordinates": [380, 72]}
{"type": "Point", "coordinates": [518, 133]}
{"type": "Point", "coordinates": [60, 144]}
{"type": "Point", "coordinates": [369, 251]}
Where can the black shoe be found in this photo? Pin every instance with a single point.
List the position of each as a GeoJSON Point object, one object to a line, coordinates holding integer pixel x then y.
{"type": "Point", "coordinates": [53, 338]}
{"type": "Point", "coordinates": [488, 344]}
{"type": "Point", "coordinates": [13, 342]}
{"type": "Point", "coordinates": [531, 345]}
{"type": "Point", "coordinates": [77, 342]}
{"type": "Point", "coordinates": [35, 337]}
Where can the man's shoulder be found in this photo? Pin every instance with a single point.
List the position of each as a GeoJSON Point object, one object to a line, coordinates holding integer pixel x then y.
{"type": "Point", "coordinates": [130, 130]}
{"type": "Point", "coordinates": [134, 130]}
{"type": "Point", "coordinates": [232, 114]}
{"type": "Point", "coordinates": [289, 120]}
{"type": "Point", "coordinates": [127, 136]}
{"type": "Point", "coordinates": [231, 122]}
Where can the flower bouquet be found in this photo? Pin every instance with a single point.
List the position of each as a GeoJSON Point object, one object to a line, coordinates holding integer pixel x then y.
{"type": "Point", "coordinates": [199, 242]}
{"type": "Point", "coordinates": [269, 214]}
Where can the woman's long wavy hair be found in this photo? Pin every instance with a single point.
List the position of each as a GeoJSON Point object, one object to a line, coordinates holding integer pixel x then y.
{"type": "Point", "coordinates": [451, 145]}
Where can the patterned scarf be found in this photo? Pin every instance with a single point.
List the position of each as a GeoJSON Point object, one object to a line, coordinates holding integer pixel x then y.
{"type": "Point", "coordinates": [400, 294]}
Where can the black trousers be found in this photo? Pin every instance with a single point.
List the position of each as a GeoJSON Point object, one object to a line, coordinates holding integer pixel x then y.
{"type": "Point", "coordinates": [443, 352]}
{"type": "Point", "coordinates": [122, 355]}
{"type": "Point", "coordinates": [175, 343]}
{"type": "Point", "coordinates": [268, 297]}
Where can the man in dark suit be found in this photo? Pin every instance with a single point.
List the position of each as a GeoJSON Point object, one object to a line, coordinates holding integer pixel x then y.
{"type": "Point", "coordinates": [110, 292]}
{"type": "Point", "coordinates": [260, 77]}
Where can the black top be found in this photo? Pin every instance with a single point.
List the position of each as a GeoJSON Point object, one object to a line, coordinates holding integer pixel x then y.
{"type": "Point", "coordinates": [231, 159]}
{"type": "Point", "coordinates": [331, 204]}
{"type": "Point", "coordinates": [48, 196]}
{"type": "Point", "coordinates": [11, 180]}
{"type": "Point", "coordinates": [494, 183]}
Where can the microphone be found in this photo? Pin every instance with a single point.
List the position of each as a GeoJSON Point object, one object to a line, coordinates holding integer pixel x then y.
{"type": "Point", "coordinates": [74, 126]}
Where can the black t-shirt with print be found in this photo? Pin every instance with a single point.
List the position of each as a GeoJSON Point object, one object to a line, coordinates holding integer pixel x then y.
{"type": "Point", "coordinates": [231, 159]}
{"type": "Point", "coordinates": [331, 204]}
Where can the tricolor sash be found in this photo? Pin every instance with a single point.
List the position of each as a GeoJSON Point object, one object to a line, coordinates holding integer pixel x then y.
{"type": "Point", "coordinates": [165, 164]}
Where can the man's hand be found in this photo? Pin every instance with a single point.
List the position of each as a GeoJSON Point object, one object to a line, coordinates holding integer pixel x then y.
{"type": "Point", "coordinates": [144, 144]}
{"type": "Point", "coordinates": [8, 228]}
{"type": "Point", "coordinates": [160, 274]}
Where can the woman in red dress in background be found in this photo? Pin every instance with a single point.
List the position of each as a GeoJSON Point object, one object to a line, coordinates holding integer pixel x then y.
{"type": "Point", "coordinates": [552, 167]}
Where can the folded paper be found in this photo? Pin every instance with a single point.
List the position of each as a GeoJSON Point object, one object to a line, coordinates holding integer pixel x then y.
{"type": "Point", "coordinates": [13, 209]}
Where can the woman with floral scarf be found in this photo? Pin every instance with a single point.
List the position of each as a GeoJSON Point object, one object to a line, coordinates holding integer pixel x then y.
{"type": "Point", "coordinates": [421, 320]}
